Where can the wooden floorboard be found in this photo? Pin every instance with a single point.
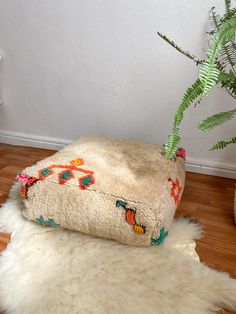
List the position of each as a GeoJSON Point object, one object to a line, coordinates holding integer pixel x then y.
{"type": "Point", "coordinates": [207, 199]}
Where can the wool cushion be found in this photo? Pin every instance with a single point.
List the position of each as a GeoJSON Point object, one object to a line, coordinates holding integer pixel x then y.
{"type": "Point", "coordinates": [117, 189]}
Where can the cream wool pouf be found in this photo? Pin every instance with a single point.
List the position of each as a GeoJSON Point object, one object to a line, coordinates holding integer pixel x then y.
{"type": "Point", "coordinates": [117, 189]}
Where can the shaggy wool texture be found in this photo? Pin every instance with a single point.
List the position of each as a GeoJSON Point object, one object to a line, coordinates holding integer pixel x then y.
{"type": "Point", "coordinates": [46, 270]}
{"type": "Point", "coordinates": [116, 189]}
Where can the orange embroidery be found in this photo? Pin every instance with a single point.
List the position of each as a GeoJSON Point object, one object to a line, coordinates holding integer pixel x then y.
{"type": "Point", "coordinates": [77, 162]}
{"type": "Point", "coordinates": [24, 192]}
{"type": "Point", "coordinates": [130, 217]}
{"type": "Point", "coordinates": [175, 190]}
{"type": "Point", "coordinates": [86, 181]}
{"type": "Point", "coordinates": [67, 174]}
{"type": "Point", "coordinates": [25, 186]}
{"type": "Point", "coordinates": [71, 168]}
{"type": "Point", "coordinates": [139, 229]}
{"type": "Point", "coordinates": [45, 172]}
{"type": "Point", "coordinates": [63, 176]}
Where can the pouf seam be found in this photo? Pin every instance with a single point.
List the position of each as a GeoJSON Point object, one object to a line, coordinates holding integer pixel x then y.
{"type": "Point", "coordinates": [172, 169]}
{"type": "Point", "coordinates": [107, 194]}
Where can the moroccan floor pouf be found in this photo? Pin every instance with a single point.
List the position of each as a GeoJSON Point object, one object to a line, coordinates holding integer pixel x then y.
{"type": "Point", "coordinates": [117, 189]}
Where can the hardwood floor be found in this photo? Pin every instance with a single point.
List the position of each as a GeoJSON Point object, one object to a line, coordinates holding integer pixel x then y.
{"type": "Point", "coordinates": [12, 160]}
{"type": "Point", "coordinates": [206, 198]}
{"type": "Point", "coordinates": [210, 200]}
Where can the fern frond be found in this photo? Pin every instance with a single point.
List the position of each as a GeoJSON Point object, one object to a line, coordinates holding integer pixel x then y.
{"type": "Point", "coordinates": [191, 94]}
{"type": "Point", "coordinates": [215, 18]}
{"type": "Point", "coordinates": [220, 66]}
{"type": "Point", "coordinates": [223, 144]}
{"type": "Point", "coordinates": [209, 72]}
{"type": "Point", "coordinates": [228, 81]}
{"type": "Point", "coordinates": [171, 145]}
{"type": "Point", "coordinates": [213, 121]}
{"type": "Point", "coordinates": [227, 5]}
{"type": "Point", "coordinates": [178, 48]}
{"type": "Point", "coordinates": [225, 77]}
{"type": "Point", "coordinates": [227, 54]}
{"type": "Point", "coordinates": [230, 13]}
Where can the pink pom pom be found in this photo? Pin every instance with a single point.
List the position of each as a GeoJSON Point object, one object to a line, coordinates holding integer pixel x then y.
{"type": "Point", "coordinates": [22, 178]}
{"type": "Point", "coordinates": [181, 153]}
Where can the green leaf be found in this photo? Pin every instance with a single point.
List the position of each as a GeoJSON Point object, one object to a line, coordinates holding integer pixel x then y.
{"type": "Point", "coordinates": [228, 82]}
{"type": "Point", "coordinates": [178, 48]}
{"type": "Point", "coordinates": [228, 55]}
{"type": "Point", "coordinates": [211, 122]}
{"type": "Point", "coordinates": [191, 94]}
{"type": "Point", "coordinates": [215, 18]}
{"type": "Point", "coordinates": [230, 13]}
{"type": "Point", "coordinates": [227, 5]}
{"type": "Point", "coordinates": [171, 145]}
{"type": "Point", "coordinates": [223, 144]}
{"type": "Point", "coordinates": [209, 72]}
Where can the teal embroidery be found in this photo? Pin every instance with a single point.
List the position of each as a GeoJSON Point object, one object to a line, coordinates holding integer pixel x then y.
{"type": "Point", "coordinates": [161, 238]}
{"type": "Point", "coordinates": [66, 175]}
{"type": "Point", "coordinates": [49, 222]}
{"type": "Point", "coordinates": [87, 181]}
{"type": "Point", "coordinates": [121, 203]}
{"type": "Point", "coordinates": [130, 217]}
{"type": "Point", "coordinates": [46, 171]}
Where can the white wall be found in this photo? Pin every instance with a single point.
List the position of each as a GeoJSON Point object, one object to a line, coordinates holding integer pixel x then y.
{"type": "Point", "coordinates": [85, 66]}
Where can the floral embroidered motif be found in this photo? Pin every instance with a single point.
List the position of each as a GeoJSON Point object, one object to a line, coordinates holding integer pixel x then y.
{"type": "Point", "coordinates": [65, 175]}
{"type": "Point", "coordinates": [77, 162]}
{"type": "Point", "coordinates": [130, 217]}
{"type": "Point", "coordinates": [49, 222]}
{"type": "Point", "coordinates": [175, 190]}
{"type": "Point", "coordinates": [44, 173]}
{"type": "Point", "coordinates": [161, 238]}
{"type": "Point", "coordinates": [86, 181]}
{"type": "Point", "coordinates": [181, 153]}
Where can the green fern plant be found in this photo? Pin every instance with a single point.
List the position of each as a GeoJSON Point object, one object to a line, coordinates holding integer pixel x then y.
{"type": "Point", "coordinates": [223, 144]}
{"type": "Point", "coordinates": [216, 69]}
{"type": "Point", "coordinates": [211, 122]}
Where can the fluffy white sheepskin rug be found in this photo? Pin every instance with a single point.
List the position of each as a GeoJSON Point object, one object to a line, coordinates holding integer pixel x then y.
{"type": "Point", "coordinates": [45, 270]}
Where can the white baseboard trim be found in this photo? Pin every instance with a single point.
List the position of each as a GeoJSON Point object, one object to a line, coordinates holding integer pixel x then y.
{"type": "Point", "coordinates": [215, 168]}
{"type": "Point", "coordinates": [21, 139]}
{"type": "Point", "coordinates": [192, 164]}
